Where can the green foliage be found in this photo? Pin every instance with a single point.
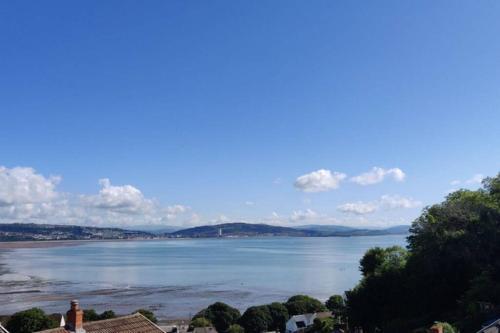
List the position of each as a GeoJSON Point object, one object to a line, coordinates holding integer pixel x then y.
{"type": "Point", "coordinates": [300, 304]}
{"type": "Point", "coordinates": [279, 316]}
{"type": "Point", "coordinates": [148, 314]}
{"type": "Point", "coordinates": [336, 304]}
{"type": "Point", "coordinates": [235, 328]}
{"type": "Point", "coordinates": [256, 319]}
{"type": "Point", "coordinates": [29, 321]}
{"type": "Point", "coordinates": [451, 266]}
{"type": "Point", "coordinates": [324, 325]}
{"type": "Point", "coordinates": [200, 322]}
{"type": "Point", "coordinates": [221, 315]}
{"type": "Point", "coordinates": [90, 315]}
{"type": "Point", "coordinates": [447, 328]}
{"type": "Point", "coordinates": [108, 314]}
{"type": "Point", "coordinates": [377, 260]}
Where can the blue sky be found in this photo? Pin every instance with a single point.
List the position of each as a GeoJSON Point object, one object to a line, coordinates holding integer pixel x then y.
{"type": "Point", "coordinates": [211, 110]}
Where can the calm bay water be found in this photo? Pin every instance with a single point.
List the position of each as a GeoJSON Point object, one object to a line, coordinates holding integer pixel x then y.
{"type": "Point", "coordinates": [177, 278]}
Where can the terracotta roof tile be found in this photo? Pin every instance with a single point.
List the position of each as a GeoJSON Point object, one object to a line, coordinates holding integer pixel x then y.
{"type": "Point", "coordinates": [135, 323]}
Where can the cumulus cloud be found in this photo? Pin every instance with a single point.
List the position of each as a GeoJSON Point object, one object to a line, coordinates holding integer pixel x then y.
{"type": "Point", "coordinates": [25, 186]}
{"type": "Point", "coordinates": [319, 181]}
{"type": "Point", "coordinates": [476, 179]}
{"type": "Point", "coordinates": [124, 199]}
{"type": "Point", "coordinates": [385, 202]}
{"type": "Point", "coordinates": [303, 215]}
{"type": "Point", "coordinates": [396, 201]}
{"type": "Point", "coordinates": [27, 196]}
{"type": "Point", "coordinates": [377, 175]}
{"type": "Point", "coordinates": [359, 207]}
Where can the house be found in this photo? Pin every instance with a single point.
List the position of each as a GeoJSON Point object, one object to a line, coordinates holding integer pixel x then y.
{"type": "Point", "coordinates": [299, 323]}
{"type": "Point", "coordinates": [135, 323]}
{"type": "Point", "coordinates": [492, 327]}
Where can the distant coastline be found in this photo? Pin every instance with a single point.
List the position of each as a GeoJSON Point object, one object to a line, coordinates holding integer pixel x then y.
{"type": "Point", "coordinates": [18, 235]}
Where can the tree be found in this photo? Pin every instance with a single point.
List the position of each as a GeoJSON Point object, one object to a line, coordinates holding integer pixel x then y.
{"type": "Point", "coordinates": [325, 325]}
{"type": "Point", "coordinates": [235, 328]}
{"type": "Point", "coordinates": [451, 266]}
{"type": "Point", "coordinates": [108, 314]}
{"type": "Point", "coordinates": [148, 314]}
{"type": "Point", "coordinates": [300, 304]}
{"type": "Point", "coordinates": [336, 304]}
{"type": "Point", "coordinates": [200, 322]}
{"type": "Point", "coordinates": [90, 315]}
{"type": "Point", "coordinates": [221, 315]}
{"type": "Point", "coordinates": [279, 316]}
{"type": "Point", "coordinates": [29, 321]}
{"type": "Point", "coordinates": [256, 319]}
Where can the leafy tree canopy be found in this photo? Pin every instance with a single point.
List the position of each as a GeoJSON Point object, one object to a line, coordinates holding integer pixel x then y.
{"type": "Point", "coordinates": [451, 266]}
{"type": "Point", "coordinates": [336, 304]}
{"type": "Point", "coordinates": [300, 304]}
{"type": "Point", "coordinates": [200, 322]}
{"type": "Point", "coordinates": [279, 316]}
{"type": "Point", "coordinates": [29, 321]}
{"type": "Point", "coordinates": [235, 328]}
{"type": "Point", "coordinates": [221, 315]}
{"type": "Point", "coordinates": [256, 319]}
{"type": "Point", "coordinates": [148, 314]}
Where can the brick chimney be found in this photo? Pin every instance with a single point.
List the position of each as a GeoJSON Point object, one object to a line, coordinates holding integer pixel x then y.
{"type": "Point", "coordinates": [74, 322]}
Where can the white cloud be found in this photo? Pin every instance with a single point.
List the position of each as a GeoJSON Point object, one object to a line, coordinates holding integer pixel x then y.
{"type": "Point", "coordinates": [27, 196]}
{"type": "Point", "coordinates": [395, 201]}
{"type": "Point", "coordinates": [476, 179]}
{"type": "Point", "coordinates": [303, 215]}
{"type": "Point", "coordinates": [25, 186]}
{"type": "Point", "coordinates": [359, 207]}
{"type": "Point", "coordinates": [175, 210]}
{"type": "Point", "coordinates": [249, 203]}
{"type": "Point", "coordinates": [386, 202]}
{"type": "Point", "coordinates": [124, 199]}
{"type": "Point", "coordinates": [377, 175]}
{"type": "Point", "coordinates": [319, 181]}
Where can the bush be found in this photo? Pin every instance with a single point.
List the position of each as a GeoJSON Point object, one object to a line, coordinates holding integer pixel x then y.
{"type": "Point", "coordinates": [300, 304]}
{"type": "Point", "coordinates": [148, 314]}
{"type": "Point", "coordinates": [256, 319]}
{"type": "Point", "coordinates": [279, 316]}
{"type": "Point", "coordinates": [29, 321]}
{"type": "Point", "coordinates": [90, 315]}
{"type": "Point", "coordinates": [336, 304]}
{"type": "Point", "coordinates": [220, 315]}
{"type": "Point", "coordinates": [235, 328]}
{"type": "Point", "coordinates": [200, 322]}
{"type": "Point", "coordinates": [109, 314]}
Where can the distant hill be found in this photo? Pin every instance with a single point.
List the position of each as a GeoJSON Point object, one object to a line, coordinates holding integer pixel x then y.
{"type": "Point", "coordinates": [331, 228]}
{"type": "Point", "coordinates": [34, 232]}
{"type": "Point", "coordinates": [241, 230]}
